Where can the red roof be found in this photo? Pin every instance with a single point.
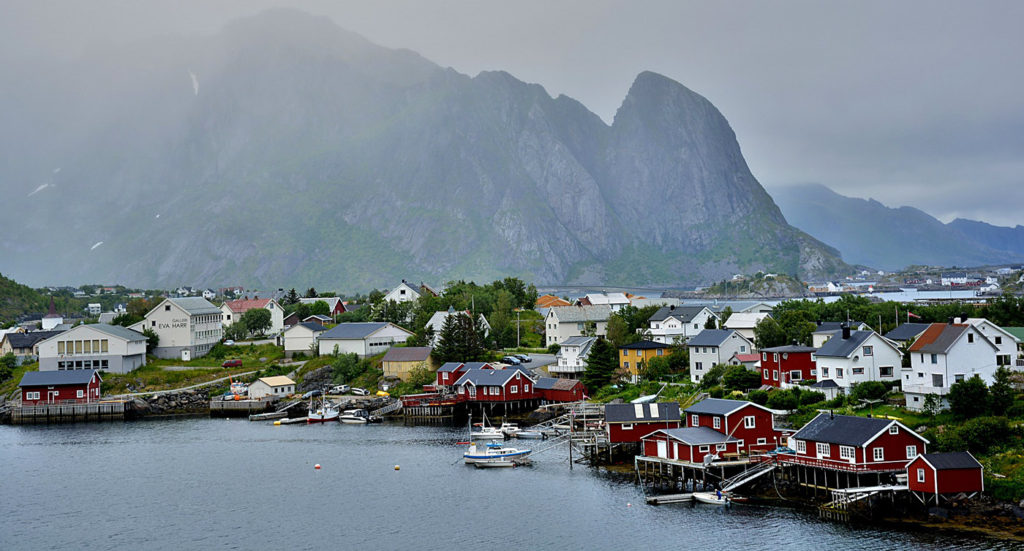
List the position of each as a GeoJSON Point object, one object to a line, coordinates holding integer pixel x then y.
{"type": "Point", "coordinates": [242, 306]}
{"type": "Point", "coordinates": [932, 334]}
{"type": "Point", "coordinates": [747, 357]}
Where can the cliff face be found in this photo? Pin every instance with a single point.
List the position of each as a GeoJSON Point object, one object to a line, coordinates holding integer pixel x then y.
{"type": "Point", "coordinates": [286, 151]}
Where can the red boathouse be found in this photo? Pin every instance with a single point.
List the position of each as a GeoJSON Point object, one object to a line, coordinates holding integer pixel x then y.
{"type": "Point", "coordinates": [80, 386]}
{"type": "Point", "coordinates": [753, 425]}
{"type": "Point", "coordinates": [932, 476]}
{"type": "Point", "coordinates": [631, 422]}
{"type": "Point", "coordinates": [689, 445]}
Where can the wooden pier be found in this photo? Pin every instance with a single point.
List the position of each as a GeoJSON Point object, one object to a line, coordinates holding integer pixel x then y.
{"type": "Point", "coordinates": [69, 413]}
{"type": "Point", "coordinates": [239, 408]}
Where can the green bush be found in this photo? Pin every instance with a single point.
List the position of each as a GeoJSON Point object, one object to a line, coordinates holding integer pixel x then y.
{"type": "Point", "coordinates": [783, 399]}
{"type": "Point", "coordinates": [978, 436]}
{"type": "Point", "coordinates": [1005, 489]}
{"type": "Point", "coordinates": [713, 377]}
{"type": "Point", "coordinates": [759, 397]}
{"type": "Point", "coordinates": [218, 351]}
{"type": "Point", "coordinates": [808, 397]}
{"type": "Point", "coordinates": [554, 348]}
{"type": "Point", "coordinates": [868, 390]}
{"type": "Point", "coordinates": [716, 392]}
{"type": "Point", "coordinates": [738, 377]}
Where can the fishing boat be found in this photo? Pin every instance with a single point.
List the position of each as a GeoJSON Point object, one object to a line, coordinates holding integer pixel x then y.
{"type": "Point", "coordinates": [355, 417]}
{"type": "Point", "coordinates": [494, 455]}
{"type": "Point", "coordinates": [321, 411]}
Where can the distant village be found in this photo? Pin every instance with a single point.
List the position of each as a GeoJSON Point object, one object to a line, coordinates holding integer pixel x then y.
{"type": "Point", "coordinates": [717, 384]}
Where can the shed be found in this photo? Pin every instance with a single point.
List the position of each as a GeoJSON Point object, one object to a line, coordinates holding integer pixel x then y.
{"type": "Point", "coordinates": [401, 361]}
{"type": "Point", "coordinates": [552, 389]}
{"type": "Point", "coordinates": [79, 386]}
{"type": "Point", "coordinates": [272, 386]}
{"type": "Point", "coordinates": [934, 475]}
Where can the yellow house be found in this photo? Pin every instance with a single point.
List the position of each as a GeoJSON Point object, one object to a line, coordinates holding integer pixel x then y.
{"type": "Point", "coordinates": [400, 361]}
{"type": "Point", "coordinates": [633, 357]}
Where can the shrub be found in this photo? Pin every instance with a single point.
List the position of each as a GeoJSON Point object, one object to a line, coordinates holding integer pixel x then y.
{"type": "Point", "coordinates": [716, 392]}
{"type": "Point", "coordinates": [738, 377]}
{"type": "Point", "coordinates": [978, 436]}
{"type": "Point", "coordinates": [783, 399]}
{"type": "Point", "coordinates": [759, 397]}
{"type": "Point", "coordinates": [968, 398]}
{"type": "Point", "coordinates": [554, 348]}
{"type": "Point", "coordinates": [713, 377]}
{"type": "Point", "coordinates": [809, 397]}
{"type": "Point", "coordinates": [868, 390]}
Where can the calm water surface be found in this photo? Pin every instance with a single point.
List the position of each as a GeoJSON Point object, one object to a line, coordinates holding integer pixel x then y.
{"type": "Point", "coordinates": [231, 484]}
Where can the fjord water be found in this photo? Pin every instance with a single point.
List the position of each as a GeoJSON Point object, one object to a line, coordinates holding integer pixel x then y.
{"type": "Point", "coordinates": [231, 484]}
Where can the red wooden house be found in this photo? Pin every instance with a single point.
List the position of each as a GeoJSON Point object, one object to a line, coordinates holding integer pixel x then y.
{"type": "Point", "coordinates": [553, 389]}
{"type": "Point", "coordinates": [932, 475]}
{"type": "Point", "coordinates": [855, 444]}
{"type": "Point", "coordinates": [689, 445]}
{"type": "Point", "coordinates": [751, 424]}
{"type": "Point", "coordinates": [450, 372]}
{"type": "Point", "coordinates": [631, 422]}
{"type": "Point", "coordinates": [495, 385]}
{"type": "Point", "coordinates": [80, 386]}
{"type": "Point", "coordinates": [788, 365]}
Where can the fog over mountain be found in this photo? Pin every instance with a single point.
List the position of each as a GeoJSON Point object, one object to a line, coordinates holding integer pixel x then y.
{"type": "Point", "coordinates": [285, 150]}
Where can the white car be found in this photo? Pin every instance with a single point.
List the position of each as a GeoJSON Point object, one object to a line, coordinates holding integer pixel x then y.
{"type": "Point", "coordinates": [360, 392]}
{"type": "Point", "coordinates": [229, 342]}
{"type": "Point", "coordinates": [340, 389]}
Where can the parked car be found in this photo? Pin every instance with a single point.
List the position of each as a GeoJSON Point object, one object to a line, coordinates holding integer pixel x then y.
{"type": "Point", "coordinates": [340, 389]}
{"type": "Point", "coordinates": [382, 393]}
{"type": "Point", "coordinates": [312, 393]}
{"type": "Point", "coordinates": [511, 360]}
{"type": "Point", "coordinates": [524, 358]}
{"type": "Point", "coordinates": [360, 392]}
{"type": "Point", "coordinates": [229, 342]}
{"type": "Point", "coordinates": [231, 363]}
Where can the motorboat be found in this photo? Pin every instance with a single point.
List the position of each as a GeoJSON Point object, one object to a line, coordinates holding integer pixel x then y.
{"type": "Point", "coordinates": [509, 429]}
{"type": "Point", "coordinates": [486, 432]}
{"type": "Point", "coordinates": [713, 498]}
{"type": "Point", "coordinates": [355, 417]}
{"type": "Point", "coordinates": [495, 455]}
{"type": "Point", "coordinates": [533, 434]}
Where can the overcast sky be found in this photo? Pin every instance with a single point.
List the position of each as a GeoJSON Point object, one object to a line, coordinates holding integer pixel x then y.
{"type": "Point", "coordinates": [912, 103]}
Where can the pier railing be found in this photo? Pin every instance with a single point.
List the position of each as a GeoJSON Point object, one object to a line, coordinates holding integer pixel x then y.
{"type": "Point", "coordinates": [839, 465]}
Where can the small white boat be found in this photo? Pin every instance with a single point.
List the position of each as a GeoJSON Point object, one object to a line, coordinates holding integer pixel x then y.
{"type": "Point", "coordinates": [712, 498]}
{"type": "Point", "coordinates": [354, 417]}
{"type": "Point", "coordinates": [509, 429]}
{"type": "Point", "coordinates": [534, 434]}
{"type": "Point", "coordinates": [495, 455]}
{"type": "Point", "coordinates": [486, 432]}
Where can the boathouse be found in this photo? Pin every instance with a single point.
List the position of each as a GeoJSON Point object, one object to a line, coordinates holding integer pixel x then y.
{"type": "Point", "coordinates": [631, 422]}
{"type": "Point", "coordinates": [448, 374]}
{"type": "Point", "coordinates": [80, 386]}
{"type": "Point", "coordinates": [753, 425]}
{"type": "Point", "coordinates": [511, 388]}
{"type": "Point", "coordinates": [855, 444]}
{"type": "Point", "coordinates": [936, 476]}
{"type": "Point", "coordinates": [552, 389]}
{"type": "Point", "coordinates": [689, 445]}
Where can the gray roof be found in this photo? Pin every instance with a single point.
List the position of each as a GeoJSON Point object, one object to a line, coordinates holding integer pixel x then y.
{"type": "Point", "coordinates": [846, 430]}
{"type": "Point", "coordinates": [698, 436]}
{"type": "Point", "coordinates": [600, 312]}
{"type": "Point", "coordinates": [825, 383]}
{"type": "Point", "coordinates": [312, 326]}
{"type": "Point", "coordinates": [826, 326]}
{"type": "Point", "coordinates": [353, 330]}
{"type": "Point", "coordinates": [646, 345]}
{"type": "Point", "coordinates": [476, 365]}
{"type": "Point", "coordinates": [448, 367]}
{"type": "Point", "coordinates": [553, 383]}
{"type": "Point", "coordinates": [28, 340]}
{"type": "Point", "coordinates": [583, 342]}
{"type": "Point", "coordinates": [838, 347]}
{"type": "Point", "coordinates": [195, 305]}
{"type": "Point", "coordinates": [906, 331]}
{"type": "Point", "coordinates": [626, 413]}
{"type": "Point", "coordinates": [951, 460]}
{"type": "Point", "coordinates": [49, 378]}
{"type": "Point", "coordinates": [710, 337]}
{"type": "Point", "coordinates": [118, 331]}
{"type": "Point", "coordinates": [407, 354]}
{"type": "Point", "coordinates": [106, 317]}
{"type": "Point", "coordinates": [486, 377]}
{"type": "Point", "coordinates": [718, 406]}
{"type": "Point", "coordinates": [790, 349]}
{"type": "Point", "coordinates": [684, 314]}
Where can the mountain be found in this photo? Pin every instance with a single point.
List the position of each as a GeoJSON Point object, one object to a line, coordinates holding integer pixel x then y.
{"type": "Point", "coordinates": [872, 234]}
{"type": "Point", "coordinates": [1000, 238]}
{"type": "Point", "coordinates": [287, 151]}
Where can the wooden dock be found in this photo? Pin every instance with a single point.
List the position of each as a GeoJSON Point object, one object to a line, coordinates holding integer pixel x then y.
{"type": "Point", "coordinates": [670, 498]}
{"type": "Point", "coordinates": [69, 413]}
{"type": "Point", "coordinates": [232, 408]}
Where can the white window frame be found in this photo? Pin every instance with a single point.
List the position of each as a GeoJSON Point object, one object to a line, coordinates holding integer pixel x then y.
{"type": "Point", "coordinates": [721, 447]}
{"type": "Point", "coordinates": [847, 452]}
{"type": "Point", "coordinates": [717, 422]}
{"type": "Point", "coordinates": [749, 422]}
{"type": "Point", "coordinates": [895, 429]}
{"type": "Point", "coordinates": [920, 474]}
{"type": "Point", "coordinates": [628, 426]}
{"type": "Point", "coordinates": [823, 449]}
{"type": "Point", "coordinates": [911, 452]}
{"type": "Point", "coordinates": [694, 420]}
{"type": "Point", "coordinates": [80, 393]}
{"type": "Point", "coordinates": [878, 454]}
{"type": "Point", "coordinates": [762, 441]}
{"type": "Point", "coordinates": [704, 449]}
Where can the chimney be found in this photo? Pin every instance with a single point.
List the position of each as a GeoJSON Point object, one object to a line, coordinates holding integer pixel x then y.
{"type": "Point", "coordinates": [672, 308]}
{"type": "Point", "coordinates": [951, 321]}
{"type": "Point", "coordinates": [846, 331]}
{"type": "Point", "coordinates": [963, 317]}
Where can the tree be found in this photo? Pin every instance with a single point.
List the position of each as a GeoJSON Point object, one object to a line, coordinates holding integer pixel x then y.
{"type": "Point", "coordinates": [256, 321]}
{"type": "Point", "coordinates": [347, 367]}
{"type": "Point", "coordinates": [291, 298]}
{"type": "Point", "coordinates": [125, 320]}
{"type": "Point", "coordinates": [869, 390]}
{"type": "Point", "coordinates": [420, 376]}
{"type": "Point", "coordinates": [714, 376]}
{"type": "Point", "coordinates": [783, 399]}
{"type": "Point", "coordinates": [319, 308]}
{"type": "Point", "coordinates": [769, 333]}
{"type": "Point", "coordinates": [711, 323]}
{"type": "Point", "coordinates": [138, 307]}
{"type": "Point", "coordinates": [738, 377]}
{"type": "Point", "coordinates": [236, 331]}
{"type": "Point", "coordinates": [602, 362]}
{"type": "Point", "coordinates": [968, 398]}
{"type": "Point", "coordinates": [657, 368]}
{"type": "Point", "coordinates": [460, 340]}
{"type": "Point", "coordinates": [311, 293]}
{"type": "Point", "coordinates": [1001, 392]}
{"type": "Point", "coordinates": [501, 320]}
{"type": "Point", "coordinates": [7, 364]}
{"type": "Point", "coordinates": [932, 405]}
{"type": "Point", "coordinates": [724, 317]}
{"type": "Point", "coordinates": [618, 331]}
{"type": "Point", "coordinates": [152, 340]}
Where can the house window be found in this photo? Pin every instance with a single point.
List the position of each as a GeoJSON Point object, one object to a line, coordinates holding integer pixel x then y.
{"type": "Point", "coordinates": [717, 422]}
{"type": "Point", "coordinates": [526, 388]}
{"type": "Point", "coordinates": [814, 373]}
{"type": "Point", "coordinates": [748, 422]}
{"type": "Point", "coordinates": [762, 441]}
{"type": "Point", "coordinates": [868, 350]}
{"type": "Point", "coordinates": [660, 352]}
{"type": "Point", "coordinates": [694, 421]}
{"type": "Point", "coordinates": [999, 340]}
{"type": "Point", "coordinates": [846, 452]}
{"type": "Point", "coordinates": [625, 364]}
{"type": "Point", "coordinates": [794, 376]}
{"type": "Point", "coordinates": [936, 379]}
{"type": "Point", "coordinates": [766, 376]}
{"type": "Point", "coordinates": [885, 371]}
{"type": "Point", "coordinates": [801, 446]}
{"type": "Point", "coordinates": [697, 366]}
{"type": "Point", "coordinates": [80, 394]}
{"type": "Point", "coordinates": [720, 447]}
{"type": "Point", "coordinates": [823, 449]}
{"type": "Point", "coordinates": [627, 426]}
{"type": "Point", "coordinates": [775, 357]}
{"type": "Point", "coordinates": [911, 452]}
{"type": "Point", "coordinates": [515, 389]}
{"type": "Point", "coordinates": [839, 373]}
{"type": "Point", "coordinates": [60, 347]}
{"type": "Point", "coordinates": [878, 454]}
{"type": "Point", "coordinates": [743, 348]}
{"type": "Point", "coordinates": [764, 356]}
{"type": "Point", "coordinates": [704, 449]}
{"type": "Point", "coordinates": [935, 358]}
{"type": "Point", "coordinates": [894, 429]}
{"type": "Point", "coordinates": [775, 375]}
{"type": "Point", "coordinates": [824, 372]}
{"type": "Point", "coordinates": [858, 371]}
{"type": "Point", "coordinates": [920, 475]}
{"type": "Point", "coordinates": [970, 337]}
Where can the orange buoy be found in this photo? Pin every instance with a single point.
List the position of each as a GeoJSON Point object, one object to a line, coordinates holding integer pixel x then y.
{"type": "Point", "coordinates": [317, 466]}
{"type": "Point", "coordinates": [397, 467]}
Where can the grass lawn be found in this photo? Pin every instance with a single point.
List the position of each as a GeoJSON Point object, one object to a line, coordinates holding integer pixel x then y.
{"type": "Point", "coordinates": [11, 385]}
{"type": "Point", "coordinates": [153, 377]}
